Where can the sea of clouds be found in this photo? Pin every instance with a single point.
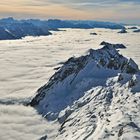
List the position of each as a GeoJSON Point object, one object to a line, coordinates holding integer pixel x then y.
{"type": "Point", "coordinates": [27, 64]}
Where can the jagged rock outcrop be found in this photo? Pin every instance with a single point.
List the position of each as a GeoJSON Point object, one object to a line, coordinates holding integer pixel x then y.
{"type": "Point", "coordinates": [134, 27]}
{"type": "Point", "coordinates": [43, 138]}
{"type": "Point", "coordinates": [123, 31]}
{"type": "Point", "coordinates": [95, 96]}
{"type": "Point", "coordinates": [136, 31]}
{"type": "Point", "coordinates": [116, 46]}
{"type": "Point", "coordinates": [93, 33]}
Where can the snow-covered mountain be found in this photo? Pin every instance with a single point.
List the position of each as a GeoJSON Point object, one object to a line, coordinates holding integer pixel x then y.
{"type": "Point", "coordinates": [82, 24]}
{"type": "Point", "coordinates": [93, 97]}
{"type": "Point", "coordinates": [16, 29]}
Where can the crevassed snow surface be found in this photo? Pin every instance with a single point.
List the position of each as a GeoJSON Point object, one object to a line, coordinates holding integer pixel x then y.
{"type": "Point", "coordinates": [28, 63]}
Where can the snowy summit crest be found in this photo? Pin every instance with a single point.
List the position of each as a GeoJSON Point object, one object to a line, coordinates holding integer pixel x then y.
{"type": "Point", "coordinates": [90, 87]}
{"type": "Point", "coordinates": [107, 58]}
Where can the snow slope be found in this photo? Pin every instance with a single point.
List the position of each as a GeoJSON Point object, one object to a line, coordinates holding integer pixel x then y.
{"type": "Point", "coordinates": [89, 97]}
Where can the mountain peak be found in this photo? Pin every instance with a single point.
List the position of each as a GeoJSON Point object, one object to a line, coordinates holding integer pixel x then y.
{"type": "Point", "coordinates": [107, 58]}
{"type": "Point", "coordinates": [9, 19]}
{"type": "Point", "coordinates": [85, 92]}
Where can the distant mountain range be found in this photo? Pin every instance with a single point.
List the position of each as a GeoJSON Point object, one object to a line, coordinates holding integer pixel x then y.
{"type": "Point", "coordinates": [16, 29]}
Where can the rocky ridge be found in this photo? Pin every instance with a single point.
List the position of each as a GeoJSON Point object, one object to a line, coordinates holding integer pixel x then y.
{"type": "Point", "coordinates": [95, 96]}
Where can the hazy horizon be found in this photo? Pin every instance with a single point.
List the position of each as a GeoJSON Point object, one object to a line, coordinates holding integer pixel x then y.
{"type": "Point", "coordinates": [122, 11]}
{"type": "Point", "coordinates": [45, 19]}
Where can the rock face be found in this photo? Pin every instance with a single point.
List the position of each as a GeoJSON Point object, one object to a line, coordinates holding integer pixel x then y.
{"type": "Point", "coordinates": [95, 96]}
{"type": "Point", "coordinates": [116, 46]}
{"type": "Point", "coordinates": [136, 31]}
{"type": "Point", "coordinates": [93, 33]}
{"type": "Point", "coordinates": [133, 27]}
{"type": "Point", "coordinates": [123, 31]}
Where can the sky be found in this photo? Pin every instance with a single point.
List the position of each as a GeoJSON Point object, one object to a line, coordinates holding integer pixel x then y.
{"type": "Point", "coordinates": [127, 11]}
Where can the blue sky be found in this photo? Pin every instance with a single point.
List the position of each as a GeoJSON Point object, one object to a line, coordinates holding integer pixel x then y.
{"type": "Point", "coordinates": [127, 11]}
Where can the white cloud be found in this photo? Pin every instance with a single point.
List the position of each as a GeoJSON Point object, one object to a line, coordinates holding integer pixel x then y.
{"type": "Point", "coordinates": [19, 122]}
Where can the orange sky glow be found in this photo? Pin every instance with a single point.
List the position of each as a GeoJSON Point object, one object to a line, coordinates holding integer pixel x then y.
{"type": "Point", "coordinates": [93, 10]}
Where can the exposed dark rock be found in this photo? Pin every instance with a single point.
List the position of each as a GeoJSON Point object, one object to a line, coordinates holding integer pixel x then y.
{"type": "Point", "coordinates": [43, 138]}
{"type": "Point", "coordinates": [134, 125]}
{"type": "Point", "coordinates": [57, 68]}
{"type": "Point", "coordinates": [123, 31]}
{"type": "Point", "coordinates": [120, 133]}
{"type": "Point", "coordinates": [93, 33]}
{"type": "Point", "coordinates": [137, 31]}
{"type": "Point", "coordinates": [133, 27]}
{"type": "Point", "coordinates": [116, 46]}
{"type": "Point", "coordinates": [130, 66]}
{"type": "Point", "coordinates": [120, 77]}
{"type": "Point", "coordinates": [64, 115]}
{"type": "Point", "coordinates": [132, 82]}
